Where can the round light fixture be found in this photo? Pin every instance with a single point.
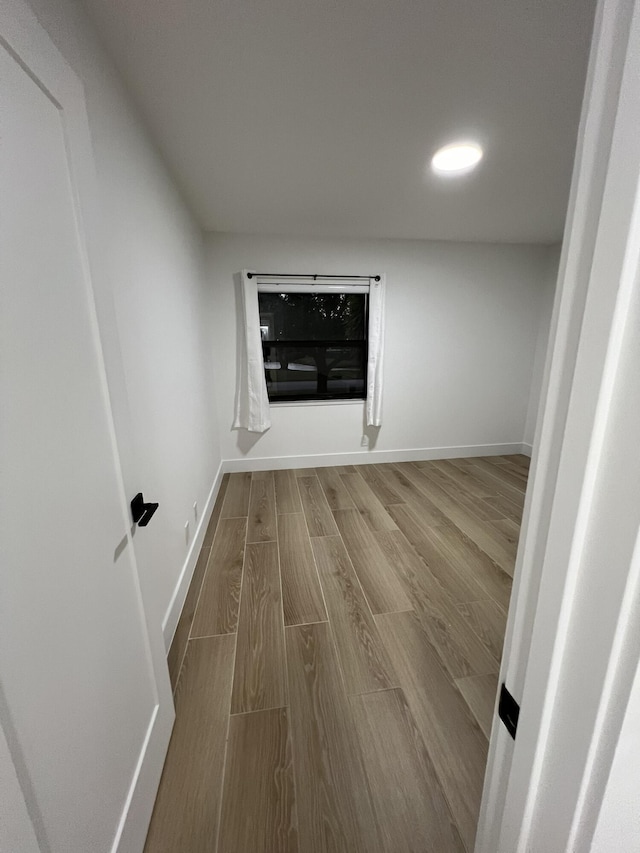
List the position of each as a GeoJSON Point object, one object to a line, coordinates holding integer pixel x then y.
{"type": "Point", "coordinates": [457, 158]}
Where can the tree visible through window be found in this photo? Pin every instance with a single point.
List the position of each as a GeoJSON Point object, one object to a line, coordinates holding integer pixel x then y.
{"type": "Point", "coordinates": [314, 345]}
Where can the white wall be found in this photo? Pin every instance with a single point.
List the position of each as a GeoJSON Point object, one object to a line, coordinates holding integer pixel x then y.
{"type": "Point", "coordinates": [462, 329]}
{"type": "Point", "coordinates": [150, 301]}
{"type": "Point", "coordinates": [544, 324]}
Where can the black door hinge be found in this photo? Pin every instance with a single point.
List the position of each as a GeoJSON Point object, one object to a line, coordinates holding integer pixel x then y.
{"type": "Point", "coordinates": [508, 711]}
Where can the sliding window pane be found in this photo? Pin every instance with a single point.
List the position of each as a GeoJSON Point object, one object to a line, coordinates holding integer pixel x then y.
{"type": "Point", "coordinates": [311, 372]}
{"type": "Point", "coordinates": [313, 316]}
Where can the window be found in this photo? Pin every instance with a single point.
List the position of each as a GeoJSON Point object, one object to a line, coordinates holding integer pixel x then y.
{"type": "Point", "coordinates": [314, 344]}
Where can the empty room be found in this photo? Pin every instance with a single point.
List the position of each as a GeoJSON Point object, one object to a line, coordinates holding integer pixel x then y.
{"type": "Point", "coordinates": [320, 493]}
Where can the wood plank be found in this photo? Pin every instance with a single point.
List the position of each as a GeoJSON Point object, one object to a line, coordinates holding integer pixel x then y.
{"type": "Point", "coordinates": [316, 509]}
{"type": "Point", "coordinates": [378, 482]}
{"type": "Point", "coordinates": [346, 469]}
{"type": "Point", "coordinates": [512, 532]}
{"type": "Point", "coordinates": [185, 816]}
{"type": "Point", "coordinates": [455, 743]}
{"type": "Point", "coordinates": [287, 495]}
{"type": "Point", "coordinates": [396, 480]}
{"type": "Point", "coordinates": [488, 621]}
{"type": "Point", "coordinates": [479, 692]}
{"type": "Point", "coordinates": [472, 562]}
{"type": "Point", "coordinates": [518, 459]}
{"type": "Point", "coordinates": [364, 661]}
{"type": "Point", "coordinates": [491, 475]}
{"type": "Point", "coordinates": [334, 489]}
{"type": "Point", "coordinates": [381, 585]}
{"type": "Point", "coordinates": [510, 472]}
{"type": "Point", "coordinates": [463, 478]}
{"type": "Point", "coordinates": [301, 593]}
{"type": "Point", "coordinates": [506, 547]}
{"type": "Point", "coordinates": [519, 463]}
{"type": "Point", "coordinates": [460, 585]}
{"type": "Point", "coordinates": [217, 608]}
{"type": "Point", "coordinates": [441, 488]}
{"type": "Point", "coordinates": [262, 508]}
{"type": "Point", "coordinates": [372, 511]}
{"type": "Point", "coordinates": [236, 502]}
{"type": "Point", "coordinates": [183, 628]}
{"type": "Point", "coordinates": [507, 507]}
{"type": "Point", "coordinates": [259, 680]}
{"type": "Point", "coordinates": [486, 536]}
{"type": "Point", "coordinates": [216, 513]}
{"type": "Point", "coordinates": [522, 474]}
{"type": "Point", "coordinates": [459, 648]}
{"type": "Point", "coordinates": [334, 807]}
{"type": "Point", "coordinates": [406, 794]}
{"type": "Point", "coordinates": [258, 807]}
{"type": "Point", "coordinates": [305, 472]}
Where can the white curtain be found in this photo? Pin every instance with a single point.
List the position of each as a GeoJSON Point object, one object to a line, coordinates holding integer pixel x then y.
{"type": "Point", "coordinates": [252, 403]}
{"type": "Point", "coordinates": [376, 351]}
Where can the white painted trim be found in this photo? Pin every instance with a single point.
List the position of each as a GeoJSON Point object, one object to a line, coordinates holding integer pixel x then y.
{"type": "Point", "coordinates": [172, 615]}
{"type": "Point", "coordinates": [142, 767]}
{"type": "Point", "coordinates": [285, 404]}
{"type": "Point", "coordinates": [370, 457]}
{"type": "Point", "coordinates": [527, 449]}
{"type": "Point", "coordinates": [310, 287]}
{"type": "Point", "coordinates": [616, 690]}
{"type": "Point", "coordinates": [310, 282]}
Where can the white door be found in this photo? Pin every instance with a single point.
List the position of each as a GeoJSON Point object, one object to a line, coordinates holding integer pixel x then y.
{"type": "Point", "coordinates": [572, 644]}
{"type": "Point", "coordinates": [85, 703]}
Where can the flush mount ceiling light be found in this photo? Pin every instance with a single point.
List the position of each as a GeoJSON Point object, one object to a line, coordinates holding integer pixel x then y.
{"type": "Point", "coordinates": [457, 158]}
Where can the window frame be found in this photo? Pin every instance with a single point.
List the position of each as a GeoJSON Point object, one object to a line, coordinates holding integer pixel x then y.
{"type": "Point", "coordinates": [306, 286]}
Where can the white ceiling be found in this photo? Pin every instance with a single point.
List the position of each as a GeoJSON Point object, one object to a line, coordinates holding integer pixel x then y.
{"type": "Point", "coordinates": [318, 117]}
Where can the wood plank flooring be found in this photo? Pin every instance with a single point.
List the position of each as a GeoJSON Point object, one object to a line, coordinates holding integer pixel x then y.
{"type": "Point", "coordinates": [259, 772]}
{"type": "Point", "coordinates": [343, 634]}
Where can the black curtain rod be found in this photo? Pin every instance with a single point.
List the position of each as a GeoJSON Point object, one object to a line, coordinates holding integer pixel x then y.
{"type": "Point", "coordinates": [308, 275]}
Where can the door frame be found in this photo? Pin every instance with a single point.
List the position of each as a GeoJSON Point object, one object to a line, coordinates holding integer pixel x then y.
{"type": "Point", "coordinates": [28, 42]}
{"type": "Point", "coordinates": [598, 269]}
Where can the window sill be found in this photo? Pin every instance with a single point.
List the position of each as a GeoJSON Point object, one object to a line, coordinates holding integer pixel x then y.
{"type": "Point", "coordinates": [295, 403]}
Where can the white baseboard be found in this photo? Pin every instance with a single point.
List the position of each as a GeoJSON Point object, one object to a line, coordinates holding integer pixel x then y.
{"type": "Point", "coordinates": [370, 457]}
{"type": "Point", "coordinates": [176, 604]}
{"type": "Point", "coordinates": [527, 449]}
